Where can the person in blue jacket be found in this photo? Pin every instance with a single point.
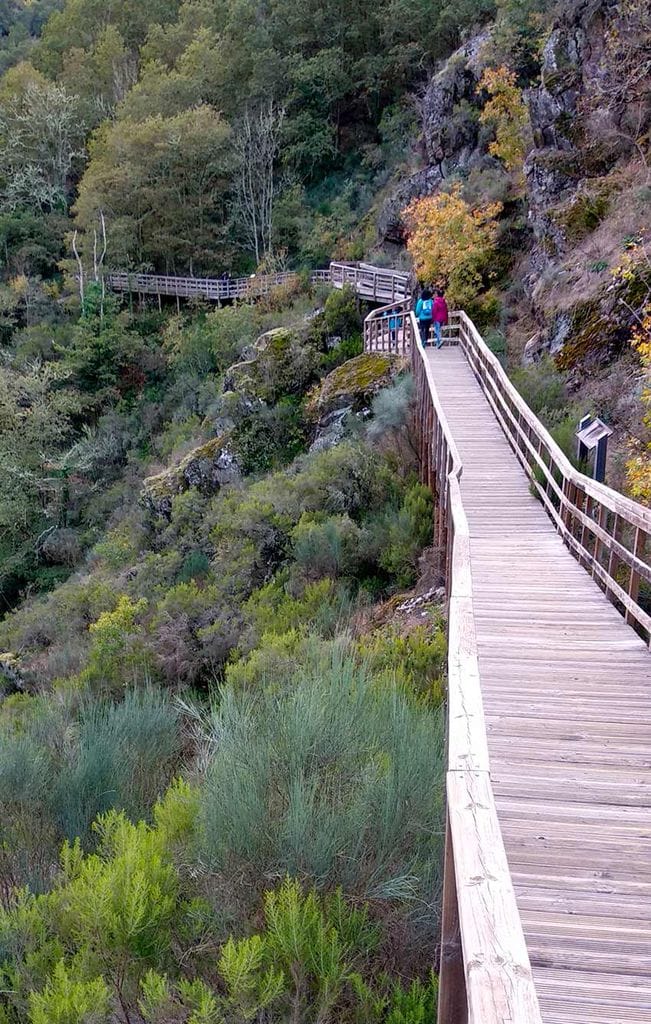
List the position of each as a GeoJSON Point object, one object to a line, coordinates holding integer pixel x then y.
{"type": "Point", "coordinates": [424, 314]}
{"type": "Point", "coordinates": [395, 323]}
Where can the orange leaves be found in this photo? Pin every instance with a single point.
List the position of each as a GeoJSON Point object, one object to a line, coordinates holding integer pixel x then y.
{"type": "Point", "coordinates": [450, 241]}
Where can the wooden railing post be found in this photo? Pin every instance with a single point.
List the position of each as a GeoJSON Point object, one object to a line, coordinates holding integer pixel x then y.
{"type": "Point", "coordinates": [452, 1000]}
{"type": "Point", "coordinates": [639, 544]}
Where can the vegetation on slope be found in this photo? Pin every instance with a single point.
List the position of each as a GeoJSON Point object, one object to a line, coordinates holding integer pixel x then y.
{"type": "Point", "coordinates": [192, 731]}
{"type": "Point", "coordinates": [220, 773]}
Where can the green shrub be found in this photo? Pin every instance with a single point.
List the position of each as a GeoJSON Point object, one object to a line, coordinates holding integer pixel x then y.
{"type": "Point", "coordinates": [391, 409]}
{"type": "Point", "coordinates": [273, 610]}
{"type": "Point", "coordinates": [341, 313]}
{"type": "Point", "coordinates": [496, 342]}
{"type": "Point", "coordinates": [326, 546]}
{"type": "Point", "coordinates": [583, 214]}
{"type": "Point", "coordinates": [120, 547]}
{"type": "Point", "coordinates": [124, 757]}
{"type": "Point", "coordinates": [330, 778]}
{"type": "Point", "coordinates": [196, 565]}
{"type": "Point", "coordinates": [414, 1005]}
{"type": "Point", "coordinates": [210, 342]}
{"type": "Point", "coordinates": [303, 960]}
{"type": "Point", "coordinates": [341, 353]}
{"type": "Point", "coordinates": [405, 533]}
{"type": "Point", "coordinates": [177, 433]}
{"type": "Point", "coordinates": [543, 388]}
{"type": "Point", "coordinates": [27, 836]}
{"type": "Point", "coordinates": [276, 657]}
{"type": "Point", "coordinates": [67, 1000]}
{"type": "Point", "coordinates": [417, 658]}
{"type": "Point", "coordinates": [270, 438]}
{"type": "Point", "coordinates": [117, 655]}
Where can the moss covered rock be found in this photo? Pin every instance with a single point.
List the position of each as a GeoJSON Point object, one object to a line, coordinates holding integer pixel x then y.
{"type": "Point", "coordinates": [583, 213]}
{"type": "Point", "coordinates": [281, 362]}
{"type": "Point", "coordinates": [207, 467]}
{"type": "Point", "coordinates": [598, 329]}
{"type": "Point", "coordinates": [353, 384]}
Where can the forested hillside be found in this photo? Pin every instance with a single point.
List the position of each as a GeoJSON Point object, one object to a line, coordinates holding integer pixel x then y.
{"type": "Point", "coordinates": [222, 642]}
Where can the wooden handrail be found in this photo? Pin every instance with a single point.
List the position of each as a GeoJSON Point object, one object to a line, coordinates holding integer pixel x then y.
{"type": "Point", "coordinates": [608, 533]}
{"type": "Point", "coordinates": [372, 283]}
{"type": "Point", "coordinates": [485, 974]}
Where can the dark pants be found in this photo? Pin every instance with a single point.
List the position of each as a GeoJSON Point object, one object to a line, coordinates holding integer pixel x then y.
{"type": "Point", "coordinates": [425, 326]}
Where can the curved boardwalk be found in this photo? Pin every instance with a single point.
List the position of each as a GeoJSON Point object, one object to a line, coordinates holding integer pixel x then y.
{"type": "Point", "coordinates": [375, 284]}
{"type": "Point", "coordinates": [566, 687]}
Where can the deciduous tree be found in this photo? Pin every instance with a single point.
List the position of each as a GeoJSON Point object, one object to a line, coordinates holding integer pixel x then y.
{"type": "Point", "coordinates": [507, 113]}
{"type": "Point", "coordinates": [257, 142]}
{"type": "Point", "coordinates": [450, 241]}
{"type": "Point", "coordinates": [162, 184]}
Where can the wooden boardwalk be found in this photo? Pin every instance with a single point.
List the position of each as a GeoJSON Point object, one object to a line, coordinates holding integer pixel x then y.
{"type": "Point", "coordinates": [566, 688]}
{"type": "Point", "coordinates": [546, 915]}
{"type": "Point", "coordinates": [375, 284]}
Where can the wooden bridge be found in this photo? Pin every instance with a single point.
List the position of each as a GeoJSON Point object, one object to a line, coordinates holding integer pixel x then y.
{"type": "Point", "coordinates": [547, 888]}
{"type": "Point", "coordinates": [372, 283]}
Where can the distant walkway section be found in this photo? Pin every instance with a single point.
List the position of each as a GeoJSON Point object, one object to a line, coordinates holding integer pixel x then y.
{"type": "Point", "coordinates": [372, 283]}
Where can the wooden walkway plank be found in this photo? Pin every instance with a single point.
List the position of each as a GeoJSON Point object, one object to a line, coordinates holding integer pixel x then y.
{"type": "Point", "coordinates": [566, 688]}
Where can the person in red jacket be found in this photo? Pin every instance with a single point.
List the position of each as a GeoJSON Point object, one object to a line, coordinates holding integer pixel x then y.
{"type": "Point", "coordinates": [439, 315]}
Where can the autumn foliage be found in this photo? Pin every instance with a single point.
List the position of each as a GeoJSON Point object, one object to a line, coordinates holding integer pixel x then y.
{"type": "Point", "coordinates": [451, 243]}
{"type": "Point", "coordinates": [505, 112]}
{"type": "Point", "coordinates": [635, 272]}
{"type": "Point", "coordinates": [638, 467]}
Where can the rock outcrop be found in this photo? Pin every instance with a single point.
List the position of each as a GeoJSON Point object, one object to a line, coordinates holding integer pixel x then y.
{"type": "Point", "coordinates": [281, 362]}
{"type": "Point", "coordinates": [348, 391]}
{"type": "Point", "coordinates": [587, 117]}
{"type": "Point", "coordinates": [208, 468]}
{"type": "Point", "coordinates": [451, 137]}
{"type": "Point", "coordinates": [584, 118]}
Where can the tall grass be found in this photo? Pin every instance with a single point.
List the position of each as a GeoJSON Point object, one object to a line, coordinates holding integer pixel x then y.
{"type": "Point", "coordinates": [331, 778]}
{"type": "Point", "coordinates": [124, 756]}
{"type": "Point", "coordinates": [60, 767]}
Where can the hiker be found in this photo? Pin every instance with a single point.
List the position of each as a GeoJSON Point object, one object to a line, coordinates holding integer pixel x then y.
{"type": "Point", "coordinates": [385, 326]}
{"type": "Point", "coordinates": [395, 323]}
{"type": "Point", "coordinates": [424, 313]}
{"type": "Point", "coordinates": [439, 315]}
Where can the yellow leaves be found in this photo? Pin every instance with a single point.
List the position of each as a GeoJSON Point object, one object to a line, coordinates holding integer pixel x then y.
{"type": "Point", "coordinates": [506, 112]}
{"type": "Point", "coordinates": [638, 475]}
{"type": "Point", "coordinates": [633, 274]}
{"type": "Point", "coordinates": [448, 239]}
{"type": "Point", "coordinates": [19, 285]}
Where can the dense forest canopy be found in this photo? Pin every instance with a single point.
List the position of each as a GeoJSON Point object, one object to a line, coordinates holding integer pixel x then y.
{"type": "Point", "coordinates": [98, 97]}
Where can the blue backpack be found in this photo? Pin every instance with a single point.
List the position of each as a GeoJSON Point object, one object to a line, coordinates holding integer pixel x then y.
{"type": "Point", "coordinates": [426, 309]}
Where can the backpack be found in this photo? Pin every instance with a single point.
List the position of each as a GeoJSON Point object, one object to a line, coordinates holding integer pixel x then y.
{"type": "Point", "coordinates": [426, 309]}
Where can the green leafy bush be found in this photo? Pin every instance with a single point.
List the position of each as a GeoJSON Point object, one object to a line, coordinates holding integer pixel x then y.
{"type": "Point", "coordinates": [66, 1000]}
{"type": "Point", "coordinates": [407, 531]}
{"type": "Point", "coordinates": [416, 659]}
{"type": "Point", "coordinates": [543, 388]}
{"type": "Point", "coordinates": [326, 546]}
{"type": "Point", "coordinates": [270, 437]}
{"type": "Point", "coordinates": [273, 610]}
{"type": "Point", "coordinates": [303, 959]}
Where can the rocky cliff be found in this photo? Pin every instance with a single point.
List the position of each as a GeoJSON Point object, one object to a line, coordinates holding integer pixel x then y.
{"type": "Point", "coordinates": [587, 180]}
